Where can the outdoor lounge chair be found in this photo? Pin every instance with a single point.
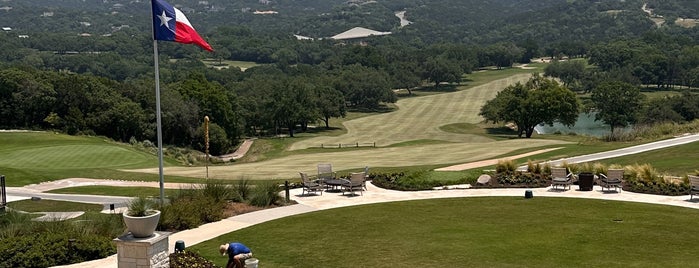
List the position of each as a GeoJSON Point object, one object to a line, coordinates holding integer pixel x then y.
{"type": "Point", "coordinates": [356, 182]}
{"type": "Point", "coordinates": [611, 179]}
{"type": "Point", "coordinates": [561, 176]}
{"type": "Point", "coordinates": [325, 172]}
{"type": "Point", "coordinates": [366, 177]}
{"type": "Point", "coordinates": [693, 185]}
{"type": "Point", "coordinates": [310, 186]}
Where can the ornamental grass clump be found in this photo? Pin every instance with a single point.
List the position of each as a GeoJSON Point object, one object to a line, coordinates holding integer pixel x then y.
{"type": "Point", "coordinates": [140, 207]}
{"type": "Point", "coordinates": [535, 168]}
{"type": "Point", "coordinates": [646, 179]}
{"type": "Point", "coordinates": [265, 194]}
{"type": "Point", "coordinates": [505, 166]}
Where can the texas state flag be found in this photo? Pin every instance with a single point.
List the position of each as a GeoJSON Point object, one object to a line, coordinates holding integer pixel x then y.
{"type": "Point", "coordinates": [170, 24]}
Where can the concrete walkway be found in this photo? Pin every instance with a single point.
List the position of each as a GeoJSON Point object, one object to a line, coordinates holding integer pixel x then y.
{"type": "Point", "coordinates": [330, 200]}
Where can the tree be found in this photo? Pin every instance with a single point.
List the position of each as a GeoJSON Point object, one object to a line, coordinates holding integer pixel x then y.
{"type": "Point", "coordinates": [440, 70]}
{"type": "Point", "coordinates": [405, 75]}
{"type": "Point", "coordinates": [364, 87]}
{"type": "Point", "coordinates": [330, 102]}
{"type": "Point", "coordinates": [539, 101]}
{"type": "Point", "coordinates": [567, 71]}
{"type": "Point", "coordinates": [616, 103]}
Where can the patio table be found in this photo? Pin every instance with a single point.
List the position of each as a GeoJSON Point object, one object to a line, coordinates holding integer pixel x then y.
{"type": "Point", "coordinates": [334, 183]}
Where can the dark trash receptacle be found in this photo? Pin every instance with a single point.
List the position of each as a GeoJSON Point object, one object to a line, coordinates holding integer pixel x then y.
{"type": "Point", "coordinates": [179, 246]}
{"type": "Point", "coordinates": [585, 181]}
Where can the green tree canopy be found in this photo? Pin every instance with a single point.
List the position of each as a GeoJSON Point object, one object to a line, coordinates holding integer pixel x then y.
{"type": "Point", "coordinates": [539, 101]}
{"type": "Point", "coordinates": [616, 103]}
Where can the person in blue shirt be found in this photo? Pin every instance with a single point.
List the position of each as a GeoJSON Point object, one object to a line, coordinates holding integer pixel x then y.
{"type": "Point", "coordinates": [237, 254]}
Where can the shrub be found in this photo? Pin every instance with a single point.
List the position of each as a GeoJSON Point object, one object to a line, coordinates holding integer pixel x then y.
{"type": "Point", "coordinates": [188, 259]}
{"type": "Point", "coordinates": [241, 190]}
{"type": "Point", "coordinates": [189, 210]}
{"type": "Point", "coordinates": [216, 190]}
{"type": "Point", "coordinates": [387, 180]}
{"type": "Point", "coordinates": [521, 179]}
{"type": "Point", "coordinates": [44, 249]}
{"type": "Point", "coordinates": [265, 194]}
{"type": "Point", "coordinates": [413, 181]}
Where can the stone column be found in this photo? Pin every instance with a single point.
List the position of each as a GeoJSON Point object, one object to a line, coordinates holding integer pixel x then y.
{"type": "Point", "coordinates": [143, 252]}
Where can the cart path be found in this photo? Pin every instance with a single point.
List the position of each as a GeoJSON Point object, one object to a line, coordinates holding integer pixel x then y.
{"type": "Point", "coordinates": [490, 162]}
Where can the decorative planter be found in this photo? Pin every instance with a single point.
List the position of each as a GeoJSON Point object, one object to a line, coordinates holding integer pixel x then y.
{"type": "Point", "coordinates": [585, 181]}
{"type": "Point", "coordinates": [141, 227]}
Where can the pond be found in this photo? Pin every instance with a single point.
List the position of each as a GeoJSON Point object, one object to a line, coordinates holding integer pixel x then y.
{"type": "Point", "coordinates": [585, 125]}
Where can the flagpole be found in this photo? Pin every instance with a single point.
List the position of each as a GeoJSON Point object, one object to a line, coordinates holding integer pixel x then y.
{"type": "Point", "coordinates": [158, 121]}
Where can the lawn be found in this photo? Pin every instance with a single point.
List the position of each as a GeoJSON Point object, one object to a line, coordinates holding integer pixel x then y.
{"type": "Point", "coordinates": [677, 160]}
{"type": "Point", "coordinates": [44, 205]}
{"type": "Point", "coordinates": [115, 191]}
{"type": "Point", "coordinates": [34, 157]}
{"type": "Point", "coordinates": [420, 118]}
{"type": "Point", "coordinates": [474, 232]}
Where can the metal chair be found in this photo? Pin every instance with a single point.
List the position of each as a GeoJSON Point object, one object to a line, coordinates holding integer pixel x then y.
{"type": "Point", "coordinates": [613, 178]}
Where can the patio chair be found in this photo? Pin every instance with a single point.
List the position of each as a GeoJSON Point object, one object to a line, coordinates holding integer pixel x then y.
{"type": "Point", "coordinates": [326, 173]}
{"type": "Point", "coordinates": [561, 177]}
{"type": "Point", "coordinates": [309, 186]}
{"type": "Point", "coordinates": [611, 179]}
{"type": "Point", "coordinates": [366, 177]}
{"type": "Point", "coordinates": [356, 182]}
{"type": "Point", "coordinates": [694, 185]}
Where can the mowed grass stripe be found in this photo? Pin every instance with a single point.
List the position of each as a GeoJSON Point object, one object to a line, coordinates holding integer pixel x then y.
{"type": "Point", "coordinates": [404, 156]}
{"type": "Point", "coordinates": [419, 118]}
{"type": "Point", "coordinates": [73, 156]}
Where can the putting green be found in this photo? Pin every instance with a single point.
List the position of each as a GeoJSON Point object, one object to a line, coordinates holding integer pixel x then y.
{"type": "Point", "coordinates": [73, 156]}
{"type": "Point", "coordinates": [48, 151]}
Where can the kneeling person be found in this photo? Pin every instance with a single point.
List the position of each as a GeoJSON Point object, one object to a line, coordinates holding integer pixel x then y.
{"type": "Point", "coordinates": [237, 254]}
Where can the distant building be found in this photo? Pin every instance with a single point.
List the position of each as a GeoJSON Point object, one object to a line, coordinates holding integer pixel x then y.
{"type": "Point", "coordinates": [23, 36]}
{"type": "Point", "coordinates": [47, 14]}
{"type": "Point", "coordinates": [358, 33]}
{"type": "Point", "coordinates": [6, 8]}
{"type": "Point", "coordinates": [266, 12]}
{"type": "Point", "coordinates": [301, 37]}
{"type": "Point", "coordinates": [6, 29]}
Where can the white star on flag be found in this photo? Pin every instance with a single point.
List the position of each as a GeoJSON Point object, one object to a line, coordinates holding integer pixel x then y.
{"type": "Point", "coordinates": [164, 19]}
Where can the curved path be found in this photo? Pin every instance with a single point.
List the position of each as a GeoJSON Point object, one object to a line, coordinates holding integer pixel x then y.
{"type": "Point", "coordinates": [330, 200]}
{"type": "Point", "coordinates": [377, 195]}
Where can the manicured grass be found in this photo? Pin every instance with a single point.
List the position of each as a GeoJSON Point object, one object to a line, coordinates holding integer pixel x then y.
{"type": "Point", "coordinates": [420, 118]}
{"type": "Point", "coordinates": [475, 232]}
{"type": "Point", "coordinates": [33, 157]}
{"type": "Point", "coordinates": [44, 205]}
{"type": "Point", "coordinates": [115, 191]}
{"type": "Point", "coordinates": [678, 160]}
